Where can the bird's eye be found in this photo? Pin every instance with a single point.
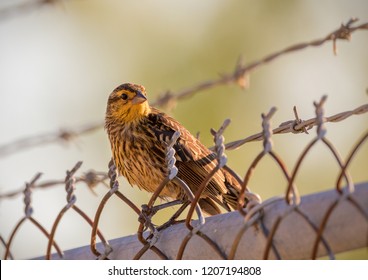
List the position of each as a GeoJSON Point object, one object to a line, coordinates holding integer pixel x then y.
{"type": "Point", "coordinates": [124, 96]}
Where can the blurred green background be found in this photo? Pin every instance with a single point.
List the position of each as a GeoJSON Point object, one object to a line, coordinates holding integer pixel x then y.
{"type": "Point", "coordinates": [59, 62]}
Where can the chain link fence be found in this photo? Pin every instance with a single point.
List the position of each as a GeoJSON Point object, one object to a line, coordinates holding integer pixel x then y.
{"type": "Point", "coordinates": [269, 229]}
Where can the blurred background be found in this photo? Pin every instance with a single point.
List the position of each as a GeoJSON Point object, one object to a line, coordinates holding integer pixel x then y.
{"type": "Point", "coordinates": [60, 60]}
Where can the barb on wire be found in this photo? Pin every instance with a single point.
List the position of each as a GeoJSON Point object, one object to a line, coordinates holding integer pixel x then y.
{"type": "Point", "coordinates": [296, 125]}
{"type": "Point", "coordinates": [321, 132]}
{"type": "Point", "coordinates": [92, 179]}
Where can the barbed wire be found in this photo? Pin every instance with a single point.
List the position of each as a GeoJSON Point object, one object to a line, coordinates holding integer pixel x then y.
{"type": "Point", "coordinates": [298, 126]}
{"type": "Point", "coordinates": [169, 99]}
{"type": "Point", "coordinates": [62, 136]}
{"type": "Point", "coordinates": [91, 178]}
{"type": "Point", "coordinates": [240, 74]}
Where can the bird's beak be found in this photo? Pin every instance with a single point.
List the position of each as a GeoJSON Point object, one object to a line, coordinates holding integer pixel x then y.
{"type": "Point", "coordinates": [139, 98]}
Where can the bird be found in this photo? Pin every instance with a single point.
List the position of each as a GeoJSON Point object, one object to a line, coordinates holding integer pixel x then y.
{"type": "Point", "coordinates": [138, 135]}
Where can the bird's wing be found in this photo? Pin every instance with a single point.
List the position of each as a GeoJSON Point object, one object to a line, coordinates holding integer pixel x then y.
{"type": "Point", "coordinates": [164, 126]}
{"type": "Point", "coordinates": [187, 147]}
{"type": "Point", "coordinates": [194, 160]}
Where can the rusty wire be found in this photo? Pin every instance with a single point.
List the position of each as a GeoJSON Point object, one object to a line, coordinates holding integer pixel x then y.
{"type": "Point", "coordinates": [292, 190]}
{"type": "Point", "coordinates": [28, 211]}
{"type": "Point", "coordinates": [71, 199]}
{"type": "Point", "coordinates": [114, 186]}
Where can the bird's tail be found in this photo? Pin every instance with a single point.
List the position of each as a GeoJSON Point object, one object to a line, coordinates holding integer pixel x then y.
{"type": "Point", "coordinates": [233, 185]}
{"type": "Point", "coordinates": [209, 206]}
{"type": "Point", "coordinates": [228, 200]}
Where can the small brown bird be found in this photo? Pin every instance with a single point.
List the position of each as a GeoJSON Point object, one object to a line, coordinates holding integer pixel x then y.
{"type": "Point", "coordinates": [138, 135]}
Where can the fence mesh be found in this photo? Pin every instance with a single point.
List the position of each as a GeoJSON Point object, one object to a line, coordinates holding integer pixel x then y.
{"type": "Point", "coordinates": [252, 216]}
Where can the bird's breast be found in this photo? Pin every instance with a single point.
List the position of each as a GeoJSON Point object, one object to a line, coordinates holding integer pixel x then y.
{"type": "Point", "coordinates": [140, 158]}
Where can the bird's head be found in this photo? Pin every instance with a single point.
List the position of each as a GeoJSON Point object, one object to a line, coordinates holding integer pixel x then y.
{"type": "Point", "coordinates": [127, 103]}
